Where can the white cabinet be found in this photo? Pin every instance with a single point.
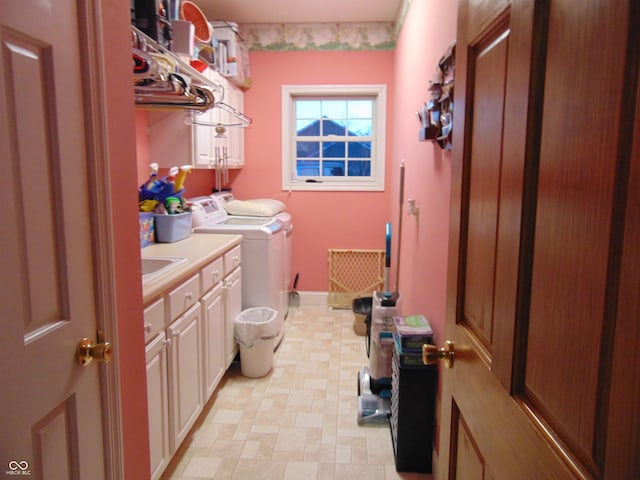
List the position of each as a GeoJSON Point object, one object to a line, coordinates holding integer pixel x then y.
{"type": "Point", "coordinates": [158, 404]}
{"type": "Point", "coordinates": [233, 306]}
{"type": "Point", "coordinates": [185, 374]}
{"type": "Point", "coordinates": [235, 143]}
{"type": "Point", "coordinates": [208, 145]}
{"type": "Point", "coordinates": [233, 300]}
{"type": "Point", "coordinates": [173, 141]}
{"type": "Point", "coordinates": [213, 340]}
{"type": "Point", "coordinates": [189, 335]}
{"type": "Point", "coordinates": [153, 320]}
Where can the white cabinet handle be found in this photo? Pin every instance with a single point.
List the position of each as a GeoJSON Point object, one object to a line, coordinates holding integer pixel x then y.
{"type": "Point", "coordinates": [147, 327]}
{"type": "Point", "coordinates": [188, 295]}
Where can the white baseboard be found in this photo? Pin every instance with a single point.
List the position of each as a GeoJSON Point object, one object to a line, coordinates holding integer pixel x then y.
{"type": "Point", "coordinates": [314, 298]}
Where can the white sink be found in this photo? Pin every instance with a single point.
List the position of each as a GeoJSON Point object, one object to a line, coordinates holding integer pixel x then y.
{"type": "Point", "coordinates": [154, 266]}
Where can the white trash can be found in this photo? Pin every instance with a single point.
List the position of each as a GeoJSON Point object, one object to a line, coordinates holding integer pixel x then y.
{"type": "Point", "coordinates": [255, 331]}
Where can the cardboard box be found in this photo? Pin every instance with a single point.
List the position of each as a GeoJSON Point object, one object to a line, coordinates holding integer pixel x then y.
{"type": "Point", "coordinates": [147, 236]}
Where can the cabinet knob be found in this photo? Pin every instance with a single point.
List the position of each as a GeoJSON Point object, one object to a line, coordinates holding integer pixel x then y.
{"type": "Point", "coordinates": [147, 327]}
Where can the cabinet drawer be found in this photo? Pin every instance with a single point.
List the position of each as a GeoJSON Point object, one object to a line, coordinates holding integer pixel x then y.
{"type": "Point", "coordinates": [183, 297]}
{"type": "Point", "coordinates": [232, 259]}
{"type": "Point", "coordinates": [153, 320]}
{"type": "Point", "coordinates": [211, 275]}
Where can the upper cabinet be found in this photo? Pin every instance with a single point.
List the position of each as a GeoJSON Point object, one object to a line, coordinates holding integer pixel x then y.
{"type": "Point", "coordinates": [218, 134]}
{"type": "Point", "coordinates": [211, 139]}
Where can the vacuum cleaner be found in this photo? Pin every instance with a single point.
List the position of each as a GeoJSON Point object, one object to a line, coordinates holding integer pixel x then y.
{"type": "Point", "coordinates": [374, 380]}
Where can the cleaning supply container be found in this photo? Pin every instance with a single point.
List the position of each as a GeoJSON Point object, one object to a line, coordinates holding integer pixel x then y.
{"type": "Point", "coordinates": [255, 330]}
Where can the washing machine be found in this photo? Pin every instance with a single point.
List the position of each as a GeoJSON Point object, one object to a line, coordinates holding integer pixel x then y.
{"type": "Point", "coordinates": [227, 198]}
{"type": "Point", "coordinates": [263, 241]}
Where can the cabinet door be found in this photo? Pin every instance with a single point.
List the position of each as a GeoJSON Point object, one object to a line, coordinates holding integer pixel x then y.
{"type": "Point", "coordinates": [213, 340]}
{"type": "Point", "coordinates": [233, 306]}
{"type": "Point", "coordinates": [185, 373]}
{"type": "Point", "coordinates": [236, 134]}
{"type": "Point", "coordinates": [203, 141]}
{"type": "Point", "coordinates": [158, 405]}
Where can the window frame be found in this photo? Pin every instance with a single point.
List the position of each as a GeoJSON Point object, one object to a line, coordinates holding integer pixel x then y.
{"type": "Point", "coordinates": [375, 182]}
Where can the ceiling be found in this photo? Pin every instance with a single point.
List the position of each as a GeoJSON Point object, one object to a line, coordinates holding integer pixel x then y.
{"type": "Point", "coordinates": [300, 11]}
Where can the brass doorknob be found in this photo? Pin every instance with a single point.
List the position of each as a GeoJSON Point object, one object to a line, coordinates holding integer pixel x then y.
{"type": "Point", "coordinates": [88, 351]}
{"type": "Point", "coordinates": [431, 354]}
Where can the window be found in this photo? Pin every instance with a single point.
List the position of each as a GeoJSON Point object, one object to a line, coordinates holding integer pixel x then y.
{"type": "Point", "coordinates": [333, 137]}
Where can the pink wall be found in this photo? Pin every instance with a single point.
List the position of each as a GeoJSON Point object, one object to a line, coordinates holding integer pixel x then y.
{"type": "Point", "coordinates": [322, 220]}
{"type": "Point", "coordinates": [199, 182]}
{"type": "Point", "coordinates": [121, 139]}
{"type": "Point", "coordinates": [429, 28]}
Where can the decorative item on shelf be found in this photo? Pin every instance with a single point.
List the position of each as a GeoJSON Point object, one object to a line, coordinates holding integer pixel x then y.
{"type": "Point", "coordinates": [191, 12]}
{"type": "Point", "coordinates": [436, 116]}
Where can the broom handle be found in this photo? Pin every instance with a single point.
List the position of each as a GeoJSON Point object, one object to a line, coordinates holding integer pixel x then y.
{"type": "Point", "coordinates": [397, 287]}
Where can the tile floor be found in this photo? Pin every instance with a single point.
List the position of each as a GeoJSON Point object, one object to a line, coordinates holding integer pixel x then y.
{"type": "Point", "coordinates": [298, 422]}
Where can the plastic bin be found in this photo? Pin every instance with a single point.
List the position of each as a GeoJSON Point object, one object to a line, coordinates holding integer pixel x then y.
{"type": "Point", "coordinates": [255, 330]}
{"type": "Point", "coordinates": [362, 313]}
{"type": "Point", "coordinates": [172, 228]}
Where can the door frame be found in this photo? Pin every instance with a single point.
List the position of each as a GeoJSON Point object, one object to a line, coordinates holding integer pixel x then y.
{"type": "Point", "coordinates": [98, 176]}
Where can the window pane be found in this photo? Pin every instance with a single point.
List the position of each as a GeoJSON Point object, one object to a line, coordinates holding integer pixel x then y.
{"type": "Point", "coordinates": [360, 128]}
{"type": "Point", "coordinates": [308, 108]}
{"type": "Point", "coordinates": [331, 136]}
{"type": "Point", "coordinates": [308, 149]}
{"type": "Point", "coordinates": [359, 149]}
{"type": "Point", "coordinates": [305, 128]}
{"type": "Point", "coordinates": [333, 149]}
{"type": "Point", "coordinates": [334, 108]}
{"type": "Point", "coordinates": [359, 168]}
{"type": "Point", "coordinates": [333, 127]}
{"type": "Point", "coordinates": [360, 109]}
{"type": "Point", "coordinates": [333, 168]}
{"type": "Point", "coordinates": [308, 168]}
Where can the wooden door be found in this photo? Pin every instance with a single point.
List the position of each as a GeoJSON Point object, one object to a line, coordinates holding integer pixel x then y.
{"type": "Point", "coordinates": [544, 271]}
{"type": "Point", "coordinates": [52, 409]}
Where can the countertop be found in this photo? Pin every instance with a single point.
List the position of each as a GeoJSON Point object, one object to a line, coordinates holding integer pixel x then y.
{"type": "Point", "coordinates": [199, 249]}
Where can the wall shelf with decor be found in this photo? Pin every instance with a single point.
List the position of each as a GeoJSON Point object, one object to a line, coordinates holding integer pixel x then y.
{"type": "Point", "coordinates": [436, 115]}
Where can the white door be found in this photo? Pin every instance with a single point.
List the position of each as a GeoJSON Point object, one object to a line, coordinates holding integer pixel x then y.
{"type": "Point", "coordinates": [51, 406]}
